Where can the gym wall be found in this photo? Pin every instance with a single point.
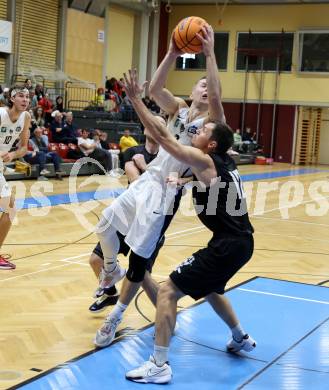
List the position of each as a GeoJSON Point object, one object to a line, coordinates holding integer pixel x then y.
{"type": "Point", "coordinates": [3, 16]}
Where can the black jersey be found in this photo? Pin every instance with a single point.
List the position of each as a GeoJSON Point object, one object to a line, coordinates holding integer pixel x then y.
{"type": "Point", "coordinates": [222, 206]}
{"type": "Point", "coordinates": [139, 149]}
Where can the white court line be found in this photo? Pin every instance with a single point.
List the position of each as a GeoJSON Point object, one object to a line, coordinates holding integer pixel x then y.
{"type": "Point", "coordinates": [290, 236]}
{"type": "Point", "coordinates": [47, 269]}
{"type": "Point", "coordinates": [66, 260]}
{"type": "Point", "coordinates": [290, 220]}
{"type": "Point", "coordinates": [283, 296]}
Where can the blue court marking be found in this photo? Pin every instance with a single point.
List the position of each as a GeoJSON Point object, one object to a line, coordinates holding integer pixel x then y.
{"type": "Point", "coordinates": [55, 200]}
{"type": "Point", "coordinates": [279, 322]}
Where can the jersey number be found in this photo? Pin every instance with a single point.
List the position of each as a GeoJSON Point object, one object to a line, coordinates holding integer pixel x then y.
{"type": "Point", "coordinates": [7, 139]}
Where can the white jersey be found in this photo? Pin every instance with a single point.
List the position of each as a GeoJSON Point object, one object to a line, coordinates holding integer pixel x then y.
{"type": "Point", "coordinates": [9, 131]}
{"type": "Point", "coordinates": [165, 164]}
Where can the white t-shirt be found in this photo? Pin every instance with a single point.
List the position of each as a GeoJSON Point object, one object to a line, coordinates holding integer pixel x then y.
{"type": "Point", "coordinates": [87, 141]}
{"type": "Point", "coordinates": [9, 131]}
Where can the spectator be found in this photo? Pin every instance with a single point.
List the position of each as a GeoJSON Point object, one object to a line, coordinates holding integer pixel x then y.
{"type": "Point", "coordinates": [127, 141]}
{"type": "Point", "coordinates": [237, 140]}
{"type": "Point", "coordinates": [70, 128]}
{"type": "Point", "coordinates": [47, 105]}
{"type": "Point", "coordinates": [89, 148]}
{"type": "Point", "coordinates": [40, 154]}
{"type": "Point", "coordinates": [59, 132]}
{"type": "Point", "coordinates": [39, 92]}
{"type": "Point", "coordinates": [59, 104]}
{"type": "Point", "coordinates": [247, 135]}
{"type": "Point", "coordinates": [39, 118]}
{"type": "Point", "coordinates": [103, 140]}
{"type": "Point", "coordinates": [4, 97]}
{"type": "Point", "coordinates": [28, 84]}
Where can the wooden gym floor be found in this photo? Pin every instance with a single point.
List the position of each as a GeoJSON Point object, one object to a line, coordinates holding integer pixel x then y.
{"type": "Point", "coordinates": [44, 302]}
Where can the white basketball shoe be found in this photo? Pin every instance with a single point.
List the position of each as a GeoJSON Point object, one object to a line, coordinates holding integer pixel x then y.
{"type": "Point", "coordinates": [109, 279]}
{"type": "Point", "coordinates": [246, 344]}
{"type": "Point", "coordinates": [149, 372]}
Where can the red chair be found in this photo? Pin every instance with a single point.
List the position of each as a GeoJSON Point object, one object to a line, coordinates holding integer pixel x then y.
{"type": "Point", "coordinates": [63, 150]}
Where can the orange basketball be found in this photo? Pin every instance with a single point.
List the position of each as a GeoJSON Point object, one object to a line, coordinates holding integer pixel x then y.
{"type": "Point", "coordinates": [184, 34]}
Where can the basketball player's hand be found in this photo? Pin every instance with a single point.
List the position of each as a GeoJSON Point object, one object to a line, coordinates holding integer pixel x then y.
{"type": "Point", "coordinates": [131, 85]}
{"type": "Point", "coordinates": [208, 40]}
{"type": "Point", "coordinates": [173, 49]}
{"type": "Point", "coordinates": [7, 157]}
{"type": "Point", "coordinates": [139, 161]}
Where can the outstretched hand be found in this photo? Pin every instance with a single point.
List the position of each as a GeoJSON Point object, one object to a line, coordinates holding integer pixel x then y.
{"type": "Point", "coordinates": [131, 85]}
{"type": "Point", "coordinates": [207, 39]}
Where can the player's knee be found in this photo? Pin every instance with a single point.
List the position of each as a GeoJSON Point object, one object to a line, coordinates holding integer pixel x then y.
{"type": "Point", "coordinates": [137, 268]}
{"type": "Point", "coordinates": [166, 291]}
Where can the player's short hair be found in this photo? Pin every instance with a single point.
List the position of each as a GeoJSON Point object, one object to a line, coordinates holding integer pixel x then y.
{"type": "Point", "coordinates": [223, 135]}
{"type": "Point", "coordinates": [13, 90]}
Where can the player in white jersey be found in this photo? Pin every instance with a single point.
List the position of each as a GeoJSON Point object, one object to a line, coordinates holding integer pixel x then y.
{"type": "Point", "coordinates": [141, 213]}
{"type": "Point", "coordinates": [14, 124]}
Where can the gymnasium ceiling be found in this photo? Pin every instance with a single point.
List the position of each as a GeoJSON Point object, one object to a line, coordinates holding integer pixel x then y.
{"type": "Point", "coordinates": [97, 7]}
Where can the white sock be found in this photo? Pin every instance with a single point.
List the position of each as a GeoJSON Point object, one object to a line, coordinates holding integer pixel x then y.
{"type": "Point", "coordinates": [238, 332]}
{"type": "Point", "coordinates": [110, 244]}
{"type": "Point", "coordinates": [118, 310]}
{"type": "Point", "coordinates": [160, 355]}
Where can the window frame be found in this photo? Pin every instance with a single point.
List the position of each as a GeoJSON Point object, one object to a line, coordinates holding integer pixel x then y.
{"type": "Point", "coordinates": [203, 69]}
{"type": "Point", "coordinates": [264, 32]}
{"type": "Point", "coordinates": [300, 51]}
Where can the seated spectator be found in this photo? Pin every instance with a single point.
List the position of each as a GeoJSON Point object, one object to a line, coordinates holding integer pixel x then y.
{"type": "Point", "coordinates": [237, 143]}
{"type": "Point", "coordinates": [28, 84]}
{"type": "Point", "coordinates": [59, 132]}
{"type": "Point", "coordinates": [4, 97]}
{"type": "Point", "coordinates": [137, 157]}
{"type": "Point", "coordinates": [70, 128]}
{"type": "Point", "coordinates": [89, 148]}
{"type": "Point", "coordinates": [39, 93]}
{"type": "Point", "coordinates": [127, 141]}
{"type": "Point", "coordinates": [39, 118]}
{"type": "Point", "coordinates": [103, 140]}
{"type": "Point", "coordinates": [40, 154]}
{"type": "Point", "coordinates": [100, 97]}
{"type": "Point", "coordinates": [59, 104]}
{"type": "Point", "coordinates": [247, 135]}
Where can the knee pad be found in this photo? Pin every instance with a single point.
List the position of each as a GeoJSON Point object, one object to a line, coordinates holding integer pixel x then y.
{"type": "Point", "coordinates": [137, 268]}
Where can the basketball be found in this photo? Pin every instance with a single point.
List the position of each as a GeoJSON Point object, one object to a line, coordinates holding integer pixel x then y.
{"type": "Point", "coordinates": [185, 34]}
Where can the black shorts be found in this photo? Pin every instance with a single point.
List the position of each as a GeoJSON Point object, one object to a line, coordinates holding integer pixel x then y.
{"type": "Point", "coordinates": [209, 269]}
{"type": "Point", "coordinates": [124, 249]}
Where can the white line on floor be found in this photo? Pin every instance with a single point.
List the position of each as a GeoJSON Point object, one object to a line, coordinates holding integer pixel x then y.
{"type": "Point", "coordinates": [282, 296]}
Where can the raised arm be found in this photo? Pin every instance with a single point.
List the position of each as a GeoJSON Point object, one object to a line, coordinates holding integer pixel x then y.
{"type": "Point", "coordinates": [164, 98]}
{"type": "Point", "coordinates": [186, 154]}
{"type": "Point", "coordinates": [214, 89]}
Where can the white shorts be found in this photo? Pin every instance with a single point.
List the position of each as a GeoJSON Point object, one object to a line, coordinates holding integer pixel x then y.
{"type": "Point", "coordinates": [139, 214]}
{"type": "Point", "coordinates": [5, 190]}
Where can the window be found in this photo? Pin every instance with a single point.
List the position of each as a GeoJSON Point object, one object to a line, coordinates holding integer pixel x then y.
{"type": "Point", "coordinates": [314, 51]}
{"type": "Point", "coordinates": [268, 41]}
{"type": "Point", "coordinates": [198, 61]}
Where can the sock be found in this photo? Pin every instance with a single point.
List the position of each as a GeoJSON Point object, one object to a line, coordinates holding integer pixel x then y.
{"type": "Point", "coordinates": [110, 244]}
{"type": "Point", "coordinates": [160, 355]}
{"type": "Point", "coordinates": [118, 310]}
{"type": "Point", "coordinates": [238, 332]}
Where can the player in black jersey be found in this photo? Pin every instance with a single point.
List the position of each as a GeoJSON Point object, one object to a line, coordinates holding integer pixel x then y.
{"type": "Point", "coordinates": [221, 206]}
